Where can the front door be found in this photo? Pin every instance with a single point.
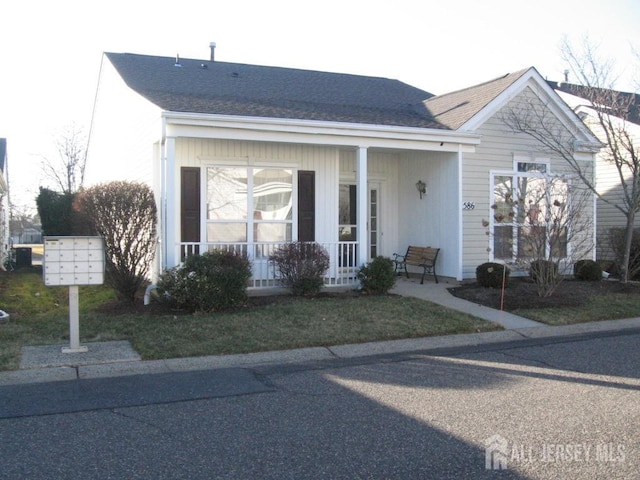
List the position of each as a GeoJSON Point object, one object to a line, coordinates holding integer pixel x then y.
{"type": "Point", "coordinates": [347, 218]}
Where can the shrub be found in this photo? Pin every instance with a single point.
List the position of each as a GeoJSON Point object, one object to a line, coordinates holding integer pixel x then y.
{"type": "Point", "coordinates": [588, 270]}
{"type": "Point", "coordinates": [617, 243]}
{"type": "Point", "coordinates": [124, 215]}
{"type": "Point", "coordinates": [491, 274]}
{"type": "Point", "coordinates": [213, 281]}
{"type": "Point", "coordinates": [56, 212]}
{"type": "Point", "coordinates": [301, 266]}
{"type": "Point", "coordinates": [541, 270]}
{"type": "Point", "coordinates": [378, 276]}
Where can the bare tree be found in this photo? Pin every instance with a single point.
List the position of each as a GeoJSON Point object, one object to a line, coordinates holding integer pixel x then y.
{"type": "Point", "coordinates": [67, 171]}
{"type": "Point", "coordinates": [546, 225]}
{"type": "Point", "coordinates": [609, 113]}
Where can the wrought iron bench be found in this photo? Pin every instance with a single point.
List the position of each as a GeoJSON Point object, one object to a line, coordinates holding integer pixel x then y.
{"type": "Point", "coordinates": [424, 257]}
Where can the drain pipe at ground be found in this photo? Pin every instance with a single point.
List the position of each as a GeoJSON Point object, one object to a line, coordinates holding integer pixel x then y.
{"type": "Point", "coordinates": [147, 294]}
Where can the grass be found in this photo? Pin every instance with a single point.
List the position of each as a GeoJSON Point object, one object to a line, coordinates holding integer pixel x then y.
{"type": "Point", "coordinates": [39, 315]}
{"type": "Point", "coordinates": [601, 307]}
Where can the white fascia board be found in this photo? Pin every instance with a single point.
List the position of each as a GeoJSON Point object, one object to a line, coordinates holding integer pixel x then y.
{"type": "Point", "coordinates": [315, 132]}
{"type": "Point", "coordinates": [546, 94]}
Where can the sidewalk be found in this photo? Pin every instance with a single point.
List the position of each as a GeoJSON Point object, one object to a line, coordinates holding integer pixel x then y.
{"type": "Point", "coordinates": [437, 293]}
{"type": "Point", "coordinates": [109, 359]}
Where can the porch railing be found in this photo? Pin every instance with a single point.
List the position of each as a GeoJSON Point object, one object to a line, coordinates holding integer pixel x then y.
{"type": "Point", "coordinates": [342, 260]}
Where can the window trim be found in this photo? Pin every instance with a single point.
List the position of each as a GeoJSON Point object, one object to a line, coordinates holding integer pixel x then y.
{"type": "Point", "coordinates": [515, 174]}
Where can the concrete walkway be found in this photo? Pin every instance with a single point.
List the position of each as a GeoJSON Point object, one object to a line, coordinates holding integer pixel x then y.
{"type": "Point", "coordinates": [437, 293]}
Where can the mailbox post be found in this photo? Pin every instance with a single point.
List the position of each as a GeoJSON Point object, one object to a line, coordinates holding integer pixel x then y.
{"type": "Point", "coordinates": [73, 261]}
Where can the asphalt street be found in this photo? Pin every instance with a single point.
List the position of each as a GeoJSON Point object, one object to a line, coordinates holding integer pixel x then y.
{"type": "Point", "coordinates": [556, 408]}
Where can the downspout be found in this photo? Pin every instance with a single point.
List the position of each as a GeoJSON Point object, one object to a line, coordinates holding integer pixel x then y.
{"type": "Point", "coordinates": [163, 209]}
{"type": "Point", "coordinates": [595, 210]}
{"type": "Point", "coordinates": [460, 219]}
{"type": "Point", "coordinates": [163, 192]}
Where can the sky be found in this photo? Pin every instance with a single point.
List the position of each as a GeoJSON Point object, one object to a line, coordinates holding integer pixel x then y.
{"type": "Point", "coordinates": [50, 51]}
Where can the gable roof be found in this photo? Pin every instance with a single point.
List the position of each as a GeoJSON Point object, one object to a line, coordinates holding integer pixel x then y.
{"type": "Point", "coordinates": [629, 100]}
{"type": "Point", "coordinates": [213, 87]}
{"type": "Point", "coordinates": [456, 108]}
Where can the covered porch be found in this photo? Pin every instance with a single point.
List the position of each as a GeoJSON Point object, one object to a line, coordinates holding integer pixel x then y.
{"type": "Point", "coordinates": [354, 191]}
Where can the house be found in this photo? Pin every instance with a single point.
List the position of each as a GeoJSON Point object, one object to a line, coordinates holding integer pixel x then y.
{"type": "Point", "coordinates": [608, 181]}
{"type": "Point", "coordinates": [248, 157]}
{"type": "Point", "coordinates": [4, 203]}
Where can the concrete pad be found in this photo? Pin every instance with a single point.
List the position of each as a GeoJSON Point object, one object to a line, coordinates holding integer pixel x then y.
{"type": "Point", "coordinates": [45, 356]}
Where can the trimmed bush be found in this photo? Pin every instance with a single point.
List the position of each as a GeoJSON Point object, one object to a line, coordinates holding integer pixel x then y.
{"type": "Point", "coordinates": [124, 215]}
{"type": "Point", "coordinates": [587, 270]}
{"type": "Point", "coordinates": [378, 276]}
{"type": "Point", "coordinates": [491, 274]}
{"type": "Point", "coordinates": [213, 281]}
{"type": "Point", "coordinates": [301, 266]}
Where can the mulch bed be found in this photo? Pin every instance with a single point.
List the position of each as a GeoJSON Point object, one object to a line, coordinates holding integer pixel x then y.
{"type": "Point", "coordinates": [521, 293]}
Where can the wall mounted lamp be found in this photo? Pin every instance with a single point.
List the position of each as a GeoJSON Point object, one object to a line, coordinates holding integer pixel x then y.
{"type": "Point", "coordinates": [422, 188]}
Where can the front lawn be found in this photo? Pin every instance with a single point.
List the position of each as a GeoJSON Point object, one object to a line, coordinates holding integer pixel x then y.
{"type": "Point", "coordinates": [39, 316]}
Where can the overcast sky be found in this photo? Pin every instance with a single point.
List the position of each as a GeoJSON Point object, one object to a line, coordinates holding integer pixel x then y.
{"type": "Point", "coordinates": [51, 50]}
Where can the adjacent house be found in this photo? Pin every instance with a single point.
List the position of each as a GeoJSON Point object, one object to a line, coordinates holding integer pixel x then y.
{"type": "Point", "coordinates": [610, 181]}
{"type": "Point", "coordinates": [248, 157]}
{"type": "Point", "coordinates": [4, 203]}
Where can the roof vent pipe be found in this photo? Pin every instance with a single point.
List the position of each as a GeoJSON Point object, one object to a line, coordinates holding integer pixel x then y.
{"type": "Point", "coordinates": [212, 46]}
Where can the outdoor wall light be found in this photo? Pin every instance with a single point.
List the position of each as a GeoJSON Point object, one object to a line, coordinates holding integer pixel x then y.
{"type": "Point", "coordinates": [422, 188]}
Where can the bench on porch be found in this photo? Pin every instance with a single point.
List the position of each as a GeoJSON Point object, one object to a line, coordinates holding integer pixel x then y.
{"type": "Point", "coordinates": [424, 257]}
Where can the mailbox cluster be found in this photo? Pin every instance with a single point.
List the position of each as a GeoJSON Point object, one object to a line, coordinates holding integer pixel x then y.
{"type": "Point", "coordinates": [73, 261]}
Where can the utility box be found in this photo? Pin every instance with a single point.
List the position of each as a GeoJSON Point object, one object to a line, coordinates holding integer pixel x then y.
{"type": "Point", "coordinates": [23, 257]}
{"type": "Point", "coordinates": [73, 261]}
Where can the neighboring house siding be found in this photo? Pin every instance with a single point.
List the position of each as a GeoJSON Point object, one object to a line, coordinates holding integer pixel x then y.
{"type": "Point", "coordinates": [610, 187]}
{"type": "Point", "coordinates": [4, 204]}
{"type": "Point", "coordinates": [608, 216]}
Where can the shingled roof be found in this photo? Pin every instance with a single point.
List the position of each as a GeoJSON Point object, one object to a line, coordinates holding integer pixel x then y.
{"type": "Point", "coordinates": [612, 100]}
{"type": "Point", "coordinates": [213, 87]}
{"type": "Point", "coordinates": [454, 109]}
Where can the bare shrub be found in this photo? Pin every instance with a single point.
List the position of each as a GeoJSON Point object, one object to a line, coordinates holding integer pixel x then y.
{"type": "Point", "coordinates": [301, 266]}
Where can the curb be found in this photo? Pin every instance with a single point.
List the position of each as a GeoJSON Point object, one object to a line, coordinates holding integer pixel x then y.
{"type": "Point", "coordinates": [115, 367]}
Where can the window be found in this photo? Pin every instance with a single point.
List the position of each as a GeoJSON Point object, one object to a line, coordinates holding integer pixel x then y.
{"type": "Point", "coordinates": [249, 204]}
{"type": "Point", "coordinates": [347, 212]}
{"type": "Point", "coordinates": [529, 214]}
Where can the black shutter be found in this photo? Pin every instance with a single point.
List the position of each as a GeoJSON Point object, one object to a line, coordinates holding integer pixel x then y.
{"type": "Point", "coordinates": [306, 206]}
{"type": "Point", "coordinates": [190, 206]}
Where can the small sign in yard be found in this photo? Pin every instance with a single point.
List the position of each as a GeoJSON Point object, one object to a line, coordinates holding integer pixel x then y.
{"type": "Point", "coordinates": [73, 261]}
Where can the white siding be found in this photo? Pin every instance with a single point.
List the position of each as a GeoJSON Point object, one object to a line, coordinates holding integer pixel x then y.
{"type": "Point", "coordinates": [195, 152]}
{"type": "Point", "coordinates": [124, 130]}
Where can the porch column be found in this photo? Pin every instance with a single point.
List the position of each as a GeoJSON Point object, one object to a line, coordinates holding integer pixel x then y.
{"type": "Point", "coordinates": [169, 211]}
{"type": "Point", "coordinates": [361, 206]}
